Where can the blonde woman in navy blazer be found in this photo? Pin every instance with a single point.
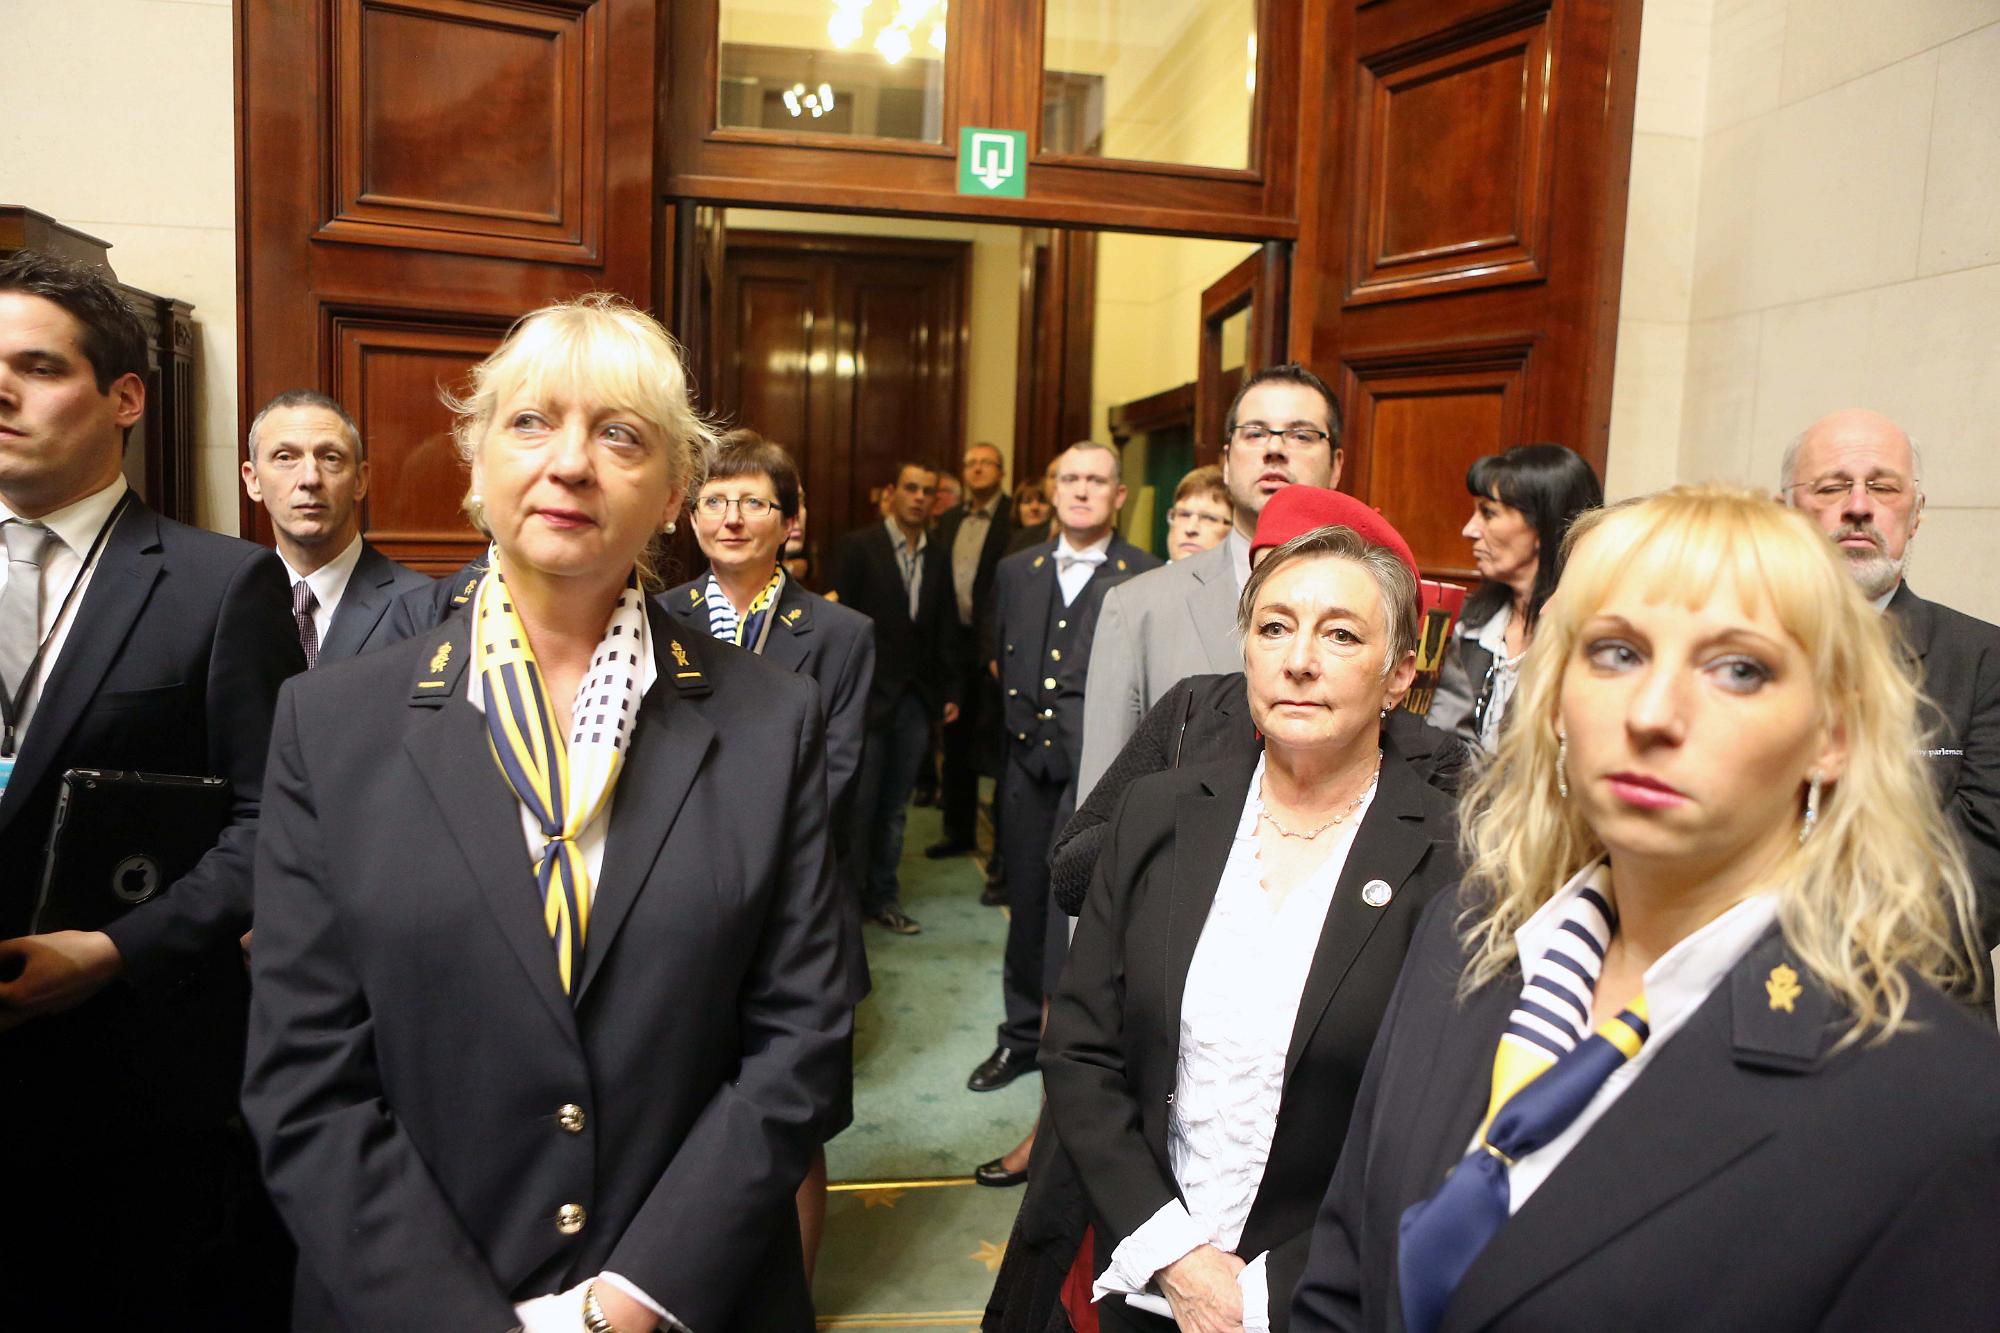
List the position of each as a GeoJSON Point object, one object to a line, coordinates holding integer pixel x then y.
{"type": "Point", "coordinates": [456, 1138]}
{"type": "Point", "coordinates": [1715, 734]}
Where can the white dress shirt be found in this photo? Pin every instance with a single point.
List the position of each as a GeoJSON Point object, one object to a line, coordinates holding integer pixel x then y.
{"type": "Point", "coordinates": [1505, 675]}
{"type": "Point", "coordinates": [76, 527]}
{"type": "Point", "coordinates": [909, 562]}
{"type": "Point", "coordinates": [328, 583]}
{"type": "Point", "coordinates": [1238, 1009]}
{"type": "Point", "coordinates": [562, 1312]}
{"type": "Point", "coordinates": [1075, 565]}
{"type": "Point", "coordinates": [1675, 986]}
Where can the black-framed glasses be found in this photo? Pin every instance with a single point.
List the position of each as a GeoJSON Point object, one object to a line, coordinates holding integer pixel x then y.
{"type": "Point", "coordinates": [1303, 437]}
{"type": "Point", "coordinates": [750, 506]}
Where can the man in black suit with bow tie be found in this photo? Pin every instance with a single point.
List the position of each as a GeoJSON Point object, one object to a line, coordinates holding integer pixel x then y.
{"type": "Point", "coordinates": [1044, 597]}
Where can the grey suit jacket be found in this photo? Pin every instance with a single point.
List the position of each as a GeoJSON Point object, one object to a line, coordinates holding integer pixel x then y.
{"type": "Point", "coordinates": [1176, 621]}
{"type": "Point", "coordinates": [361, 620]}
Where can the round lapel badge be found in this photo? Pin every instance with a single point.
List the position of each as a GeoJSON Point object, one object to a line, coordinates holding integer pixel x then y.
{"type": "Point", "coordinates": [1376, 893]}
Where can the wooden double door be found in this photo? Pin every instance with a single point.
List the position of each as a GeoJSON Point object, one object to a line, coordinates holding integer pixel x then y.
{"type": "Point", "coordinates": [850, 352]}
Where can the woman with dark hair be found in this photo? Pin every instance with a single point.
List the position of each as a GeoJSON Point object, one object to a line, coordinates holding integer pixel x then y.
{"type": "Point", "coordinates": [1523, 502]}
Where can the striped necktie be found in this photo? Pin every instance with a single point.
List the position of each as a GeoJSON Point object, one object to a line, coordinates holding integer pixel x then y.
{"type": "Point", "coordinates": [1548, 1067]}
{"type": "Point", "coordinates": [303, 606]}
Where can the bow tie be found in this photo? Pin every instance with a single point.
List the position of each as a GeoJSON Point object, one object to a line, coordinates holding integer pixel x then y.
{"type": "Point", "coordinates": [1070, 560]}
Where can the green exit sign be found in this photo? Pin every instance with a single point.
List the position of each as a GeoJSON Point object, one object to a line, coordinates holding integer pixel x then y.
{"type": "Point", "coordinates": [993, 162]}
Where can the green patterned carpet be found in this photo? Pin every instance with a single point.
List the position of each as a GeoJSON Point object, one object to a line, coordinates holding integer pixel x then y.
{"type": "Point", "coordinates": [910, 1241]}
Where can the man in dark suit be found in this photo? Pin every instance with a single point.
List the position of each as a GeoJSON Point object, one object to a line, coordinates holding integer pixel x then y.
{"type": "Point", "coordinates": [895, 575]}
{"type": "Point", "coordinates": [974, 534]}
{"type": "Point", "coordinates": [127, 641]}
{"type": "Point", "coordinates": [1042, 596]}
{"type": "Point", "coordinates": [309, 470]}
{"type": "Point", "coordinates": [1858, 475]}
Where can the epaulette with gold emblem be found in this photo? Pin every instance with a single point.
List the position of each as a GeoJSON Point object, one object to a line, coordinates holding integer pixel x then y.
{"type": "Point", "coordinates": [794, 619]}
{"type": "Point", "coordinates": [441, 672]}
{"type": "Point", "coordinates": [1038, 562]}
{"type": "Point", "coordinates": [687, 675]}
{"type": "Point", "coordinates": [464, 594]}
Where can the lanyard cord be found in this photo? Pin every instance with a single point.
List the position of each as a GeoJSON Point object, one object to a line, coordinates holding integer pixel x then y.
{"type": "Point", "coordinates": [12, 702]}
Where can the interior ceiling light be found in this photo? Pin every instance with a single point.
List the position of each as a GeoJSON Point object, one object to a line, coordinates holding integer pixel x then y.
{"type": "Point", "coordinates": [815, 102]}
{"type": "Point", "coordinates": [844, 28]}
{"type": "Point", "coordinates": [937, 35]}
{"type": "Point", "coordinates": [1250, 74]}
{"type": "Point", "coordinates": [893, 43]}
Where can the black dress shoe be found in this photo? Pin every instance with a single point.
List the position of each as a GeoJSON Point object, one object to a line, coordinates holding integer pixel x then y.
{"type": "Point", "coordinates": [993, 896]}
{"type": "Point", "coordinates": [897, 920]}
{"type": "Point", "coordinates": [996, 1174]}
{"type": "Point", "coordinates": [938, 851]}
{"type": "Point", "coordinates": [999, 1069]}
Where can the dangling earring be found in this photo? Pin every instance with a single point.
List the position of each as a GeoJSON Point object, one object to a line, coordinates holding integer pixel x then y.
{"type": "Point", "coordinates": [1812, 808]}
{"type": "Point", "coordinates": [1562, 767]}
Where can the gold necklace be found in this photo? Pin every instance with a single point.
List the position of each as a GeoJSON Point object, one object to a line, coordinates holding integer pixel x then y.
{"type": "Point", "coordinates": [1309, 835]}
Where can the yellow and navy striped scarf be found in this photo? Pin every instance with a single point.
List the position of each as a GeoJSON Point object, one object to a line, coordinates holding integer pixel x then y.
{"type": "Point", "coordinates": [563, 786]}
{"type": "Point", "coordinates": [748, 630]}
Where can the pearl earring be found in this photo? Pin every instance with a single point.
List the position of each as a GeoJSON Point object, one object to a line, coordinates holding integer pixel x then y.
{"type": "Point", "coordinates": [668, 527]}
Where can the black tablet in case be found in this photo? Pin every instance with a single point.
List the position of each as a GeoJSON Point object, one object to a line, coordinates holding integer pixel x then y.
{"type": "Point", "coordinates": [120, 838]}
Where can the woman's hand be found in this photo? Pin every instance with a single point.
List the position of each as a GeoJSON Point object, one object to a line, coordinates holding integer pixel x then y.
{"type": "Point", "coordinates": [1201, 1290]}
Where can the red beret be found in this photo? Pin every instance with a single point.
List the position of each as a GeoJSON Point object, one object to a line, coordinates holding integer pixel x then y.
{"type": "Point", "coordinates": [1297, 510]}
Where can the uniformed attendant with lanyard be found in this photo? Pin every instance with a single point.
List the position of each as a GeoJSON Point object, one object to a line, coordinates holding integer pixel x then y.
{"type": "Point", "coordinates": [741, 515]}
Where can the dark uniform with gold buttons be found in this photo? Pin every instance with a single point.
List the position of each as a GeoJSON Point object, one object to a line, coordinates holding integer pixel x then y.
{"type": "Point", "coordinates": [1038, 638]}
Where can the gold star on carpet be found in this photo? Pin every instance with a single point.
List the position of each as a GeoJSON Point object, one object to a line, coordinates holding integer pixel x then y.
{"type": "Point", "coordinates": [879, 1198]}
{"type": "Point", "coordinates": [989, 1254]}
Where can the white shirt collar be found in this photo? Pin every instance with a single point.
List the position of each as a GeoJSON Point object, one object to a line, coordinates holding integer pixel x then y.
{"type": "Point", "coordinates": [1882, 602]}
{"type": "Point", "coordinates": [1239, 557]}
{"type": "Point", "coordinates": [987, 510]}
{"type": "Point", "coordinates": [79, 522]}
{"type": "Point", "coordinates": [1063, 548]}
{"type": "Point", "coordinates": [1682, 977]}
{"type": "Point", "coordinates": [329, 581]}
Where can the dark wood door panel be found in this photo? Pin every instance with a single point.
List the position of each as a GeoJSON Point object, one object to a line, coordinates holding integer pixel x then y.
{"type": "Point", "coordinates": [1454, 161]}
{"type": "Point", "coordinates": [388, 375]}
{"type": "Point", "coordinates": [465, 124]}
{"type": "Point", "coordinates": [1415, 423]}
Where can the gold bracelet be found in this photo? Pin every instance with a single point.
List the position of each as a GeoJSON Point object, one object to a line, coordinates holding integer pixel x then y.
{"type": "Point", "coordinates": [593, 1314]}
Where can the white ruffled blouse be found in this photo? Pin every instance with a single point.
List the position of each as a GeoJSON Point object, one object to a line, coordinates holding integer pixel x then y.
{"type": "Point", "coordinates": [1237, 1013]}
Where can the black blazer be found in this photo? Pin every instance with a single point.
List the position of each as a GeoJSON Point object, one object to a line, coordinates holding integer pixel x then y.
{"type": "Point", "coordinates": [425, 607]}
{"type": "Point", "coordinates": [999, 533]}
{"type": "Point", "coordinates": [174, 659]}
{"type": "Point", "coordinates": [361, 621]}
{"type": "Point", "coordinates": [411, 1050]}
{"type": "Point", "coordinates": [1019, 643]}
{"type": "Point", "coordinates": [1751, 1177]}
{"type": "Point", "coordinates": [1958, 661]}
{"type": "Point", "coordinates": [923, 653]}
{"type": "Point", "coordinates": [1110, 1051]}
{"type": "Point", "coordinates": [172, 665]}
{"type": "Point", "coordinates": [1201, 719]}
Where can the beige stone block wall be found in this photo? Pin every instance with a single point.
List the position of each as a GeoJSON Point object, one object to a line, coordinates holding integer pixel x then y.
{"type": "Point", "coordinates": [116, 118]}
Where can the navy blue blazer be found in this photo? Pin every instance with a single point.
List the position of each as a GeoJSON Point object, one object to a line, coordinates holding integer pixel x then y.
{"type": "Point", "coordinates": [1751, 1177]}
{"type": "Point", "coordinates": [362, 621]}
{"type": "Point", "coordinates": [443, 1129]}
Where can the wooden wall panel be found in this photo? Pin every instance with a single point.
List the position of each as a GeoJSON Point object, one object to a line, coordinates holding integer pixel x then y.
{"type": "Point", "coordinates": [412, 177]}
{"type": "Point", "coordinates": [388, 374]}
{"type": "Point", "coordinates": [1453, 169]}
{"type": "Point", "coordinates": [466, 125]}
{"type": "Point", "coordinates": [1415, 423]}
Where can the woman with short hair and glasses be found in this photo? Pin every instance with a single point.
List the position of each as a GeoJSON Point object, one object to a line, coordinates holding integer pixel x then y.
{"type": "Point", "coordinates": [1201, 513]}
{"type": "Point", "coordinates": [741, 516]}
{"type": "Point", "coordinates": [1523, 502]}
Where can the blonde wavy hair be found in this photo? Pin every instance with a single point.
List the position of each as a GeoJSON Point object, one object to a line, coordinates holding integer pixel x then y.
{"type": "Point", "coordinates": [597, 347]}
{"type": "Point", "coordinates": [1879, 893]}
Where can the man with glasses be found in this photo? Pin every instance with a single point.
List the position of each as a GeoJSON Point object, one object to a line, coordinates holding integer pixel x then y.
{"type": "Point", "coordinates": [974, 533]}
{"type": "Point", "coordinates": [1043, 597]}
{"type": "Point", "coordinates": [308, 468]}
{"type": "Point", "coordinates": [1858, 475]}
{"type": "Point", "coordinates": [1282, 430]}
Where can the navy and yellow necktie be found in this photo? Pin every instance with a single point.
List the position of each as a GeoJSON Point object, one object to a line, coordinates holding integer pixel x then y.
{"type": "Point", "coordinates": [1548, 1067]}
{"type": "Point", "coordinates": [562, 785]}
